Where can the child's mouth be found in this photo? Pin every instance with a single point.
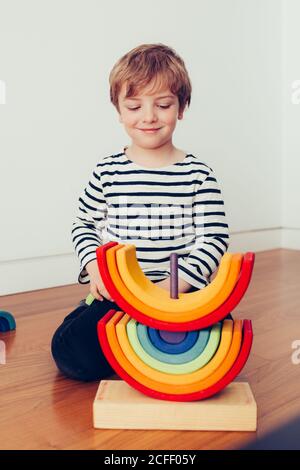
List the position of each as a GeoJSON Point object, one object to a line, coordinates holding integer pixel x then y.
{"type": "Point", "coordinates": [150, 131]}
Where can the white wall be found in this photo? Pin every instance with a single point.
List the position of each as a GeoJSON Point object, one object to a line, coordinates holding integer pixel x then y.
{"type": "Point", "coordinates": [55, 58]}
{"type": "Point", "coordinates": [291, 125]}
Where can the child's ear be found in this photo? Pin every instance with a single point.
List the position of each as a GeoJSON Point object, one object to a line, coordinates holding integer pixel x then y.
{"type": "Point", "coordinates": [180, 113]}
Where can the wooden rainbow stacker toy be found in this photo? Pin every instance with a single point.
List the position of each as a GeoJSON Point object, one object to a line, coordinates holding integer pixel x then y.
{"type": "Point", "coordinates": [174, 347]}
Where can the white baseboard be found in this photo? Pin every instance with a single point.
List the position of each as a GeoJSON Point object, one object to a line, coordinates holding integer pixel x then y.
{"type": "Point", "coordinates": [52, 271]}
{"type": "Point", "coordinates": [255, 240]}
{"type": "Point", "coordinates": [290, 238]}
{"type": "Point", "coordinates": [37, 273]}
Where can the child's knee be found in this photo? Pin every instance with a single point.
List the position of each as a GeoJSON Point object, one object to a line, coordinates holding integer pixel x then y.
{"type": "Point", "coordinates": [75, 363]}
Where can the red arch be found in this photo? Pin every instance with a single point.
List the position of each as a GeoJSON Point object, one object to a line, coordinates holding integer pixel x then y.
{"type": "Point", "coordinates": [208, 320]}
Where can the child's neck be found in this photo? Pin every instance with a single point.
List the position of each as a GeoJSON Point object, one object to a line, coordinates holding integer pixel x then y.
{"type": "Point", "coordinates": [154, 158]}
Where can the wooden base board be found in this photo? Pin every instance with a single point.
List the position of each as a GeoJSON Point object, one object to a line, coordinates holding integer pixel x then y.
{"type": "Point", "coordinates": [119, 406]}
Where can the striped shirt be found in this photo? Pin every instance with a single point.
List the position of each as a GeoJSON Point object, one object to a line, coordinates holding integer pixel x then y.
{"type": "Point", "coordinates": [176, 208]}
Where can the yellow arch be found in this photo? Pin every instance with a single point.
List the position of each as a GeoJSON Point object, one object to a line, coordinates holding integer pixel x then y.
{"type": "Point", "coordinates": [177, 317]}
{"type": "Point", "coordinates": [138, 283]}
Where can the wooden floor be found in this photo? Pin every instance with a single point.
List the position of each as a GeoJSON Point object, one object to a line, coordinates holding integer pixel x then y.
{"type": "Point", "coordinates": [40, 409]}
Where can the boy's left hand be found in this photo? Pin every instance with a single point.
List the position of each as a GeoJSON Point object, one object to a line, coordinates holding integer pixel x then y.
{"type": "Point", "coordinates": [183, 286]}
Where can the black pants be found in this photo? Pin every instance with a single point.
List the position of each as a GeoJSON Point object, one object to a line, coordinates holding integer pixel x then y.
{"type": "Point", "coordinates": [75, 346]}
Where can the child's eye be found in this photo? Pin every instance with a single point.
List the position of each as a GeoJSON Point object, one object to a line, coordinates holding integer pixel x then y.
{"type": "Point", "coordinates": [160, 106]}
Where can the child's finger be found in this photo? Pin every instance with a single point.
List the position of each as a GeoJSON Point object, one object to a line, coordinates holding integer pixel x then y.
{"type": "Point", "coordinates": [95, 293]}
{"type": "Point", "coordinates": [101, 291]}
{"type": "Point", "coordinates": [107, 295]}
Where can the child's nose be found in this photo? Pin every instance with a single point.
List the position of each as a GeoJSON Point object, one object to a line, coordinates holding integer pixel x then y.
{"type": "Point", "coordinates": [149, 115]}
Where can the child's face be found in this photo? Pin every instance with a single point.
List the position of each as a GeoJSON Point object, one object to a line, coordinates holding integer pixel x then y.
{"type": "Point", "coordinates": [149, 110]}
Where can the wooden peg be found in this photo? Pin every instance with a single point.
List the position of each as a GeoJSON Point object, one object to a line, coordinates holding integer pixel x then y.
{"type": "Point", "coordinates": [174, 276]}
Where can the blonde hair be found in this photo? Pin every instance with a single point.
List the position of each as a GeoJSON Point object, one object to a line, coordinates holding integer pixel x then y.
{"type": "Point", "coordinates": [139, 66]}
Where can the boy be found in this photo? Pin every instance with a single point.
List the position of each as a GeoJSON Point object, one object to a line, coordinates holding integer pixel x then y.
{"type": "Point", "coordinates": [151, 194]}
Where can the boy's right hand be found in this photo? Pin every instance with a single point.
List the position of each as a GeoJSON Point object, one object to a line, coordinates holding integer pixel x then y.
{"type": "Point", "coordinates": [97, 288]}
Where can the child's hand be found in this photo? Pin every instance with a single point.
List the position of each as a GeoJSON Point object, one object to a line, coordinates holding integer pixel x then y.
{"type": "Point", "coordinates": [164, 284]}
{"type": "Point", "coordinates": [97, 288]}
{"type": "Point", "coordinates": [183, 286]}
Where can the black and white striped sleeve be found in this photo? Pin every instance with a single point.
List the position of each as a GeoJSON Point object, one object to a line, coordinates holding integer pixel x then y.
{"type": "Point", "coordinates": [212, 234]}
{"type": "Point", "coordinates": [89, 223]}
